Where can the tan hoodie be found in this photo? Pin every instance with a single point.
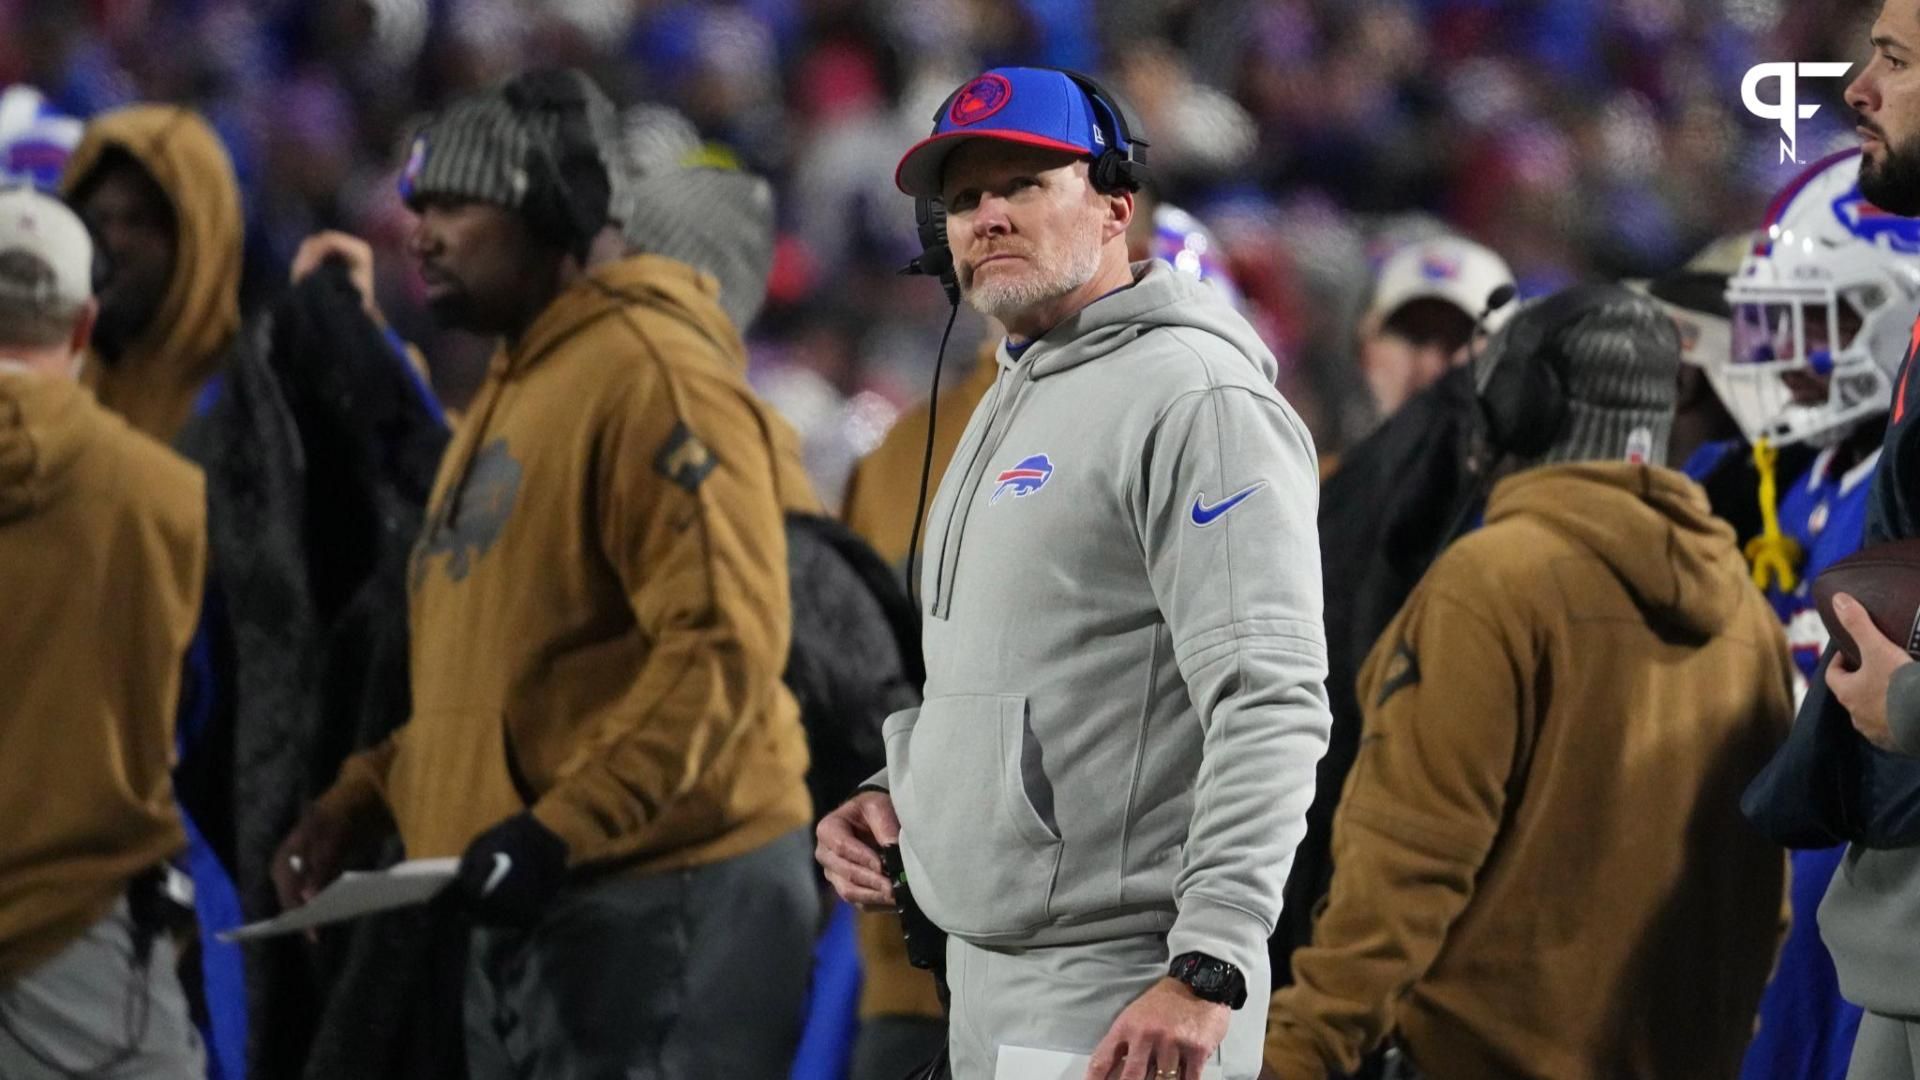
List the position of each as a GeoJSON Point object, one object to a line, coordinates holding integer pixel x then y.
{"type": "Point", "coordinates": [1541, 867]}
{"type": "Point", "coordinates": [102, 558]}
{"type": "Point", "coordinates": [599, 604]}
{"type": "Point", "coordinates": [155, 383]}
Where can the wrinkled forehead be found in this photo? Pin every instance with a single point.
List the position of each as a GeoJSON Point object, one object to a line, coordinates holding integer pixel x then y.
{"type": "Point", "coordinates": [983, 163]}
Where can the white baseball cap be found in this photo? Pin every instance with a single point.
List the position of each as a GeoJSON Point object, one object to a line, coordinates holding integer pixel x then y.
{"type": "Point", "coordinates": [42, 226]}
{"type": "Point", "coordinates": [1449, 268]}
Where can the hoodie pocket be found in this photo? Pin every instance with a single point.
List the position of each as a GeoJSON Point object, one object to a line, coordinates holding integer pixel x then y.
{"type": "Point", "coordinates": [981, 860]}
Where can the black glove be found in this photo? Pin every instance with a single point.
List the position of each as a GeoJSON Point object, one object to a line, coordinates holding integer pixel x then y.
{"type": "Point", "coordinates": [511, 871]}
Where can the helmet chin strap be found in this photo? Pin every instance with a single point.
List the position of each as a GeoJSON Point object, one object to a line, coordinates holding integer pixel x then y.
{"type": "Point", "coordinates": [1774, 556]}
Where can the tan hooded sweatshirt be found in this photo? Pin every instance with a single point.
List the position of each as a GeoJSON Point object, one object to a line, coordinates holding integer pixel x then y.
{"type": "Point", "coordinates": [102, 557]}
{"type": "Point", "coordinates": [155, 383]}
{"type": "Point", "coordinates": [1541, 867]}
{"type": "Point", "coordinates": [599, 604]}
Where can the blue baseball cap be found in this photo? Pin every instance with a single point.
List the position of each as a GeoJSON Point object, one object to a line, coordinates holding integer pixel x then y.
{"type": "Point", "coordinates": [1031, 106]}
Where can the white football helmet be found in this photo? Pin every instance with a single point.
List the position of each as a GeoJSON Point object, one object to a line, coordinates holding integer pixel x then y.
{"type": "Point", "coordinates": [1829, 294]}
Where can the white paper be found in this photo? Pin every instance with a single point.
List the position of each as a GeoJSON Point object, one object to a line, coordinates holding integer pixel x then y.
{"type": "Point", "coordinates": [1026, 1063]}
{"type": "Point", "coordinates": [355, 894]}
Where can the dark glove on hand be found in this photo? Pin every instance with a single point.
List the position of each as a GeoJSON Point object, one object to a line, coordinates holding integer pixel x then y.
{"type": "Point", "coordinates": [511, 872]}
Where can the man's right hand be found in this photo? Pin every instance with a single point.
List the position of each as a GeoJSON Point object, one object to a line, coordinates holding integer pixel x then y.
{"type": "Point", "coordinates": [849, 845]}
{"type": "Point", "coordinates": [311, 856]}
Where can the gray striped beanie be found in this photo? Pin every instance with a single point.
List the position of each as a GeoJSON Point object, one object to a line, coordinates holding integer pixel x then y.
{"type": "Point", "coordinates": [481, 147]}
{"type": "Point", "coordinates": [1622, 383]}
{"type": "Point", "coordinates": [718, 221]}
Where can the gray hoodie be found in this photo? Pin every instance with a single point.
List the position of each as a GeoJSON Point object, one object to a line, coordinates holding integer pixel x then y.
{"type": "Point", "coordinates": [1125, 656]}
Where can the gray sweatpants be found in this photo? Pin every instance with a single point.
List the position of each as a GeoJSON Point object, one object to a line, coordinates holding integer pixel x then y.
{"type": "Point", "coordinates": [687, 973]}
{"type": "Point", "coordinates": [1887, 1048]}
{"type": "Point", "coordinates": [92, 1010]}
{"type": "Point", "coordinates": [1065, 997]}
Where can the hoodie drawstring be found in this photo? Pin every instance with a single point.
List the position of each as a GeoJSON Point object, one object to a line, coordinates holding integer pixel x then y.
{"type": "Point", "coordinates": [1773, 554]}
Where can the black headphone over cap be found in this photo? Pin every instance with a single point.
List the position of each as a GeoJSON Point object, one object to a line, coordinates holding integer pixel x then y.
{"type": "Point", "coordinates": [1523, 398]}
{"type": "Point", "coordinates": [1120, 166]}
{"type": "Point", "coordinates": [570, 201]}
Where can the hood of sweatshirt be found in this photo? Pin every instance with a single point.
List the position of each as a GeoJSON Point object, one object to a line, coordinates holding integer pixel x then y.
{"type": "Point", "coordinates": [154, 384]}
{"type": "Point", "coordinates": [1651, 526]}
{"type": "Point", "coordinates": [42, 432]}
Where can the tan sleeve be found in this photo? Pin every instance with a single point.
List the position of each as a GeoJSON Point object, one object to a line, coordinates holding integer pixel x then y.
{"type": "Point", "coordinates": [689, 518]}
{"type": "Point", "coordinates": [1442, 699]}
{"type": "Point", "coordinates": [359, 793]}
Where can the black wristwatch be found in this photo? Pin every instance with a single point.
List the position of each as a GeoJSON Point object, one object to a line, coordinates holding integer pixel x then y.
{"type": "Point", "coordinates": [1209, 979]}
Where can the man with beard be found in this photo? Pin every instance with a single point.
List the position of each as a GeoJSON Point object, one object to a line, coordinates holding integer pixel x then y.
{"type": "Point", "coordinates": [1872, 908]}
{"type": "Point", "coordinates": [599, 620]}
{"type": "Point", "coordinates": [1100, 796]}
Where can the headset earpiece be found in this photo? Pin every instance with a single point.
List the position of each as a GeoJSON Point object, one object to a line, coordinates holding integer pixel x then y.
{"type": "Point", "coordinates": [1523, 400]}
{"type": "Point", "coordinates": [571, 204]}
{"type": "Point", "coordinates": [936, 257]}
{"type": "Point", "coordinates": [1122, 165]}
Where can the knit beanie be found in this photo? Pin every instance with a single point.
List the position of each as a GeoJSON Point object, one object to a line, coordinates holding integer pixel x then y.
{"type": "Point", "coordinates": [718, 221]}
{"type": "Point", "coordinates": [1621, 368]}
{"type": "Point", "coordinates": [487, 148]}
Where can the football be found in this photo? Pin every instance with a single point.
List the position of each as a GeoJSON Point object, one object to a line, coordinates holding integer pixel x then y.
{"type": "Point", "coordinates": [1885, 578]}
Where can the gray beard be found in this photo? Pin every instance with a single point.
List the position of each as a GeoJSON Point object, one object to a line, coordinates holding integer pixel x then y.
{"type": "Point", "coordinates": [1005, 300]}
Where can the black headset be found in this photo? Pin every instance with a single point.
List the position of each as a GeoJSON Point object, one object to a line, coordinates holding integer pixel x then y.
{"type": "Point", "coordinates": [1523, 402]}
{"type": "Point", "coordinates": [570, 204]}
{"type": "Point", "coordinates": [1120, 166]}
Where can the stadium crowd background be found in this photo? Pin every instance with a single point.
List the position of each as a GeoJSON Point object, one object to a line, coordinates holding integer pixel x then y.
{"type": "Point", "coordinates": [1579, 138]}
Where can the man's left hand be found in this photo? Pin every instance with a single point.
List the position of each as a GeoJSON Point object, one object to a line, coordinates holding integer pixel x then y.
{"type": "Point", "coordinates": [512, 871]}
{"type": "Point", "coordinates": [1863, 690]}
{"type": "Point", "coordinates": [1166, 1034]}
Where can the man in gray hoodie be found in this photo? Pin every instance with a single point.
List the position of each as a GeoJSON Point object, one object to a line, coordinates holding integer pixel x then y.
{"type": "Point", "coordinates": [1100, 797]}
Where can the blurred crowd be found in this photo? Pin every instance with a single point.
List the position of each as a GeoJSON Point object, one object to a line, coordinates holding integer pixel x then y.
{"type": "Point", "coordinates": [1577, 138]}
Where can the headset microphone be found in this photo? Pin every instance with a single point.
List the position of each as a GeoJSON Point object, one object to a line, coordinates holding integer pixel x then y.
{"type": "Point", "coordinates": [935, 258]}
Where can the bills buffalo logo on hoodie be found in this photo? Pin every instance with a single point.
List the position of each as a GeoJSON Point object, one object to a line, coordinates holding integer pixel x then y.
{"type": "Point", "coordinates": [1023, 479]}
{"type": "Point", "coordinates": [980, 99]}
{"type": "Point", "coordinates": [468, 528]}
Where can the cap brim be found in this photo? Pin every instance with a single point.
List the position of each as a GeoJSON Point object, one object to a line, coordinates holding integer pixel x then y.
{"type": "Point", "coordinates": [1452, 298]}
{"type": "Point", "coordinates": [919, 171]}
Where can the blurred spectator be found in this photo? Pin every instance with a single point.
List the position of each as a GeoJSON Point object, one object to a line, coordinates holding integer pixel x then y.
{"type": "Point", "coordinates": [1427, 305]}
{"type": "Point", "coordinates": [156, 188]}
{"type": "Point", "coordinates": [104, 543]}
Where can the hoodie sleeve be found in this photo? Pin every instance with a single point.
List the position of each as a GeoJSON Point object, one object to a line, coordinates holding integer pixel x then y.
{"type": "Point", "coordinates": [1229, 492]}
{"type": "Point", "coordinates": [1442, 695]}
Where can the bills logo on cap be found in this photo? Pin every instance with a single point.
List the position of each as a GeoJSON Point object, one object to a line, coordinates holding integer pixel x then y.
{"type": "Point", "coordinates": [980, 99]}
{"type": "Point", "coordinates": [416, 161]}
{"type": "Point", "coordinates": [1870, 223]}
{"type": "Point", "coordinates": [1435, 267]}
{"type": "Point", "coordinates": [1023, 479]}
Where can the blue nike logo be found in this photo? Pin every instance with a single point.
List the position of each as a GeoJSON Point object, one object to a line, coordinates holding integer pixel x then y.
{"type": "Point", "coordinates": [1204, 515]}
